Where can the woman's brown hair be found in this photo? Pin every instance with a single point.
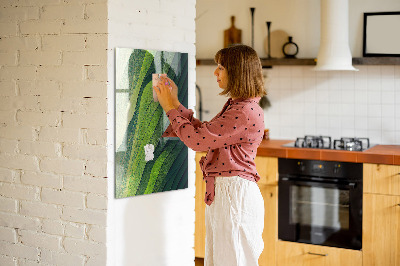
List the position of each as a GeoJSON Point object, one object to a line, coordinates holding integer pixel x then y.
{"type": "Point", "coordinates": [245, 78]}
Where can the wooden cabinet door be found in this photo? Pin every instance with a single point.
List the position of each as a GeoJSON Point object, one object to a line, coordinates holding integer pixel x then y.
{"type": "Point", "coordinates": [298, 254]}
{"type": "Point", "coordinates": [267, 168]}
{"type": "Point", "coordinates": [200, 207]}
{"type": "Point", "coordinates": [381, 230]}
{"type": "Point", "coordinates": [381, 179]}
{"type": "Point", "coordinates": [270, 233]}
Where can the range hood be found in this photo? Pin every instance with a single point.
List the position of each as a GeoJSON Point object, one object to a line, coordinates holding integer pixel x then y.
{"type": "Point", "coordinates": [334, 51]}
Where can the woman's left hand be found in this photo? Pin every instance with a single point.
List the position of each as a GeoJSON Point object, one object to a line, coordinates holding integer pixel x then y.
{"type": "Point", "coordinates": [163, 90]}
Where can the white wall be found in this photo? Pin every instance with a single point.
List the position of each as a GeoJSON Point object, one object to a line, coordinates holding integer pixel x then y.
{"type": "Point", "coordinates": [53, 107]}
{"type": "Point", "coordinates": [156, 229]}
{"type": "Point", "coordinates": [338, 104]}
{"type": "Point", "coordinates": [298, 18]}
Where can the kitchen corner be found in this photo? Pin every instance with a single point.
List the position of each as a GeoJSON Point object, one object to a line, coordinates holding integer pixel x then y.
{"type": "Point", "coordinates": [369, 205]}
{"type": "Point", "coordinates": [323, 206]}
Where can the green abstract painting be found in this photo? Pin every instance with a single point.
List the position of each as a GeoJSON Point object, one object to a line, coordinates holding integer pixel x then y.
{"type": "Point", "coordinates": [145, 162]}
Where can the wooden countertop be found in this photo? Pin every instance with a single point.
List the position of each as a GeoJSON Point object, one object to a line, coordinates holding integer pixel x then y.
{"type": "Point", "coordinates": [379, 154]}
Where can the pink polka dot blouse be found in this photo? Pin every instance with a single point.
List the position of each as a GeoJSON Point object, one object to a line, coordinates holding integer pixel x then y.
{"type": "Point", "coordinates": [231, 139]}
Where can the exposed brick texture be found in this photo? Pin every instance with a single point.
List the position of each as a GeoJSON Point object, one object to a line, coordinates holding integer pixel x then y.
{"type": "Point", "coordinates": [53, 56]}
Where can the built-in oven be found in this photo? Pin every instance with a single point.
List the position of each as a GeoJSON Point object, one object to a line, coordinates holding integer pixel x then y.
{"type": "Point", "coordinates": [320, 202]}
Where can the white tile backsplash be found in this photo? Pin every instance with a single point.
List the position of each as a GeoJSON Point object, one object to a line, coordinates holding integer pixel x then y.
{"type": "Point", "coordinates": [374, 83]}
{"type": "Point", "coordinates": [347, 110]}
{"type": "Point", "coordinates": [374, 110]}
{"type": "Point", "coordinates": [361, 110]}
{"type": "Point", "coordinates": [374, 97]}
{"type": "Point", "coordinates": [388, 84]}
{"type": "Point", "coordinates": [322, 95]}
{"type": "Point", "coordinates": [387, 124]}
{"type": "Point", "coordinates": [388, 111]}
{"type": "Point", "coordinates": [397, 123]}
{"type": "Point", "coordinates": [388, 97]}
{"type": "Point", "coordinates": [364, 103]}
{"type": "Point", "coordinates": [348, 96]}
{"type": "Point", "coordinates": [397, 72]}
{"type": "Point", "coordinates": [387, 71]}
{"type": "Point", "coordinates": [361, 124]}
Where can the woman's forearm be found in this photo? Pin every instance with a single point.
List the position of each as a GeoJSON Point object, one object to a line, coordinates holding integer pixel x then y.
{"type": "Point", "coordinates": [176, 104]}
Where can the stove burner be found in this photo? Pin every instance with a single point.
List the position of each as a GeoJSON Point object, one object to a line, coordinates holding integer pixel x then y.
{"type": "Point", "coordinates": [351, 144]}
{"type": "Point", "coordinates": [324, 142]}
{"type": "Point", "coordinates": [308, 141]}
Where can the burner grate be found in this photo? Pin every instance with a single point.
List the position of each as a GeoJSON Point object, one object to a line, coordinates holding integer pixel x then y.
{"type": "Point", "coordinates": [320, 142]}
{"type": "Point", "coordinates": [324, 142]}
{"type": "Point", "coordinates": [351, 144]}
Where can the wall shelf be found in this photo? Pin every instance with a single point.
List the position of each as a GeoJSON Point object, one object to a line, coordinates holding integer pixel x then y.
{"type": "Point", "coordinates": [312, 61]}
{"type": "Point", "coordinates": [376, 61]}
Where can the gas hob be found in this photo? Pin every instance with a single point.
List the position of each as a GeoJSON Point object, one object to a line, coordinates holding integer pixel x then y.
{"type": "Point", "coordinates": [325, 142]}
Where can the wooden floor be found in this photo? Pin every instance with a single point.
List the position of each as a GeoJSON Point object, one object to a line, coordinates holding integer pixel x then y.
{"type": "Point", "coordinates": [199, 262]}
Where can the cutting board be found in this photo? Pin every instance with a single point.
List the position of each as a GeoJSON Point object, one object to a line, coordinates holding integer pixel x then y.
{"type": "Point", "coordinates": [232, 35]}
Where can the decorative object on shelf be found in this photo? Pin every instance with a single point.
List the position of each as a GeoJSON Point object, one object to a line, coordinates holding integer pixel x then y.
{"type": "Point", "coordinates": [277, 39]}
{"type": "Point", "coordinates": [290, 49]}
{"type": "Point", "coordinates": [380, 36]}
{"type": "Point", "coordinates": [334, 51]}
{"type": "Point", "coordinates": [232, 35]}
{"type": "Point", "coordinates": [269, 38]}
{"type": "Point", "coordinates": [252, 9]}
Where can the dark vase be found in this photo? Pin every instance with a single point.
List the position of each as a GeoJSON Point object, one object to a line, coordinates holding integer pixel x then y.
{"type": "Point", "coordinates": [290, 49]}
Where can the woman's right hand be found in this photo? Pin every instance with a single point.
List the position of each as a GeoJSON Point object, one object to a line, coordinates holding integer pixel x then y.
{"type": "Point", "coordinates": [174, 91]}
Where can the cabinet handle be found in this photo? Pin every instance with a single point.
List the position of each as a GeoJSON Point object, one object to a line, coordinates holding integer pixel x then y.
{"type": "Point", "coordinates": [398, 204]}
{"type": "Point", "coordinates": [318, 254]}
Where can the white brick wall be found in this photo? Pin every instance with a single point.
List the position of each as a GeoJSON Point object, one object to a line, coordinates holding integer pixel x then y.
{"type": "Point", "coordinates": [53, 111]}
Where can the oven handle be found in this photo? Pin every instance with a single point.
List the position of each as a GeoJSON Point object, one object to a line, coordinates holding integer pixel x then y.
{"type": "Point", "coordinates": [297, 181]}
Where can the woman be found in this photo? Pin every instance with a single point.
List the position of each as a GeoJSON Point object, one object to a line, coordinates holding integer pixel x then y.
{"type": "Point", "coordinates": [235, 207]}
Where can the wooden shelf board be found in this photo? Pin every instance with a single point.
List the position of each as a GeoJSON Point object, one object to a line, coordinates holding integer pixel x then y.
{"type": "Point", "coordinates": [312, 61]}
{"type": "Point", "coordinates": [376, 61]}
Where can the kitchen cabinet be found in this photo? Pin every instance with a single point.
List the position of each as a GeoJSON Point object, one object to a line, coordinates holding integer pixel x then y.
{"type": "Point", "coordinates": [267, 168]}
{"type": "Point", "coordinates": [381, 221]}
{"type": "Point", "coordinates": [381, 179]}
{"type": "Point", "coordinates": [381, 230]}
{"type": "Point", "coordinates": [381, 215]}
{"type": "Point", "coordinates": [298, 254]}
{"type": "Point", "coordinates": [200, 207]}
{"type": "Point", "coordinates": [270, 233]}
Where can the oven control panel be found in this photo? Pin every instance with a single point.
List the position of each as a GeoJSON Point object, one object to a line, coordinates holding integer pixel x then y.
{"type": "Point", "coordinates": [330, 169]}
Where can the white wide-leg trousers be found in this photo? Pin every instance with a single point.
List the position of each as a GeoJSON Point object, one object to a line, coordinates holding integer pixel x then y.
{"type": "Point", "coordinates": [234, 223]}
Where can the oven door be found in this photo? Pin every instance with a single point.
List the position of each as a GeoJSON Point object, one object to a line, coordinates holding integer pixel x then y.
{"type": "Point", "coordinates": [321, 212]}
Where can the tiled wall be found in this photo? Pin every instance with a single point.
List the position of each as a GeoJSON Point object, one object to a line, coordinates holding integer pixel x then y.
{"type": "Point", "coordinates": [338, 104]}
